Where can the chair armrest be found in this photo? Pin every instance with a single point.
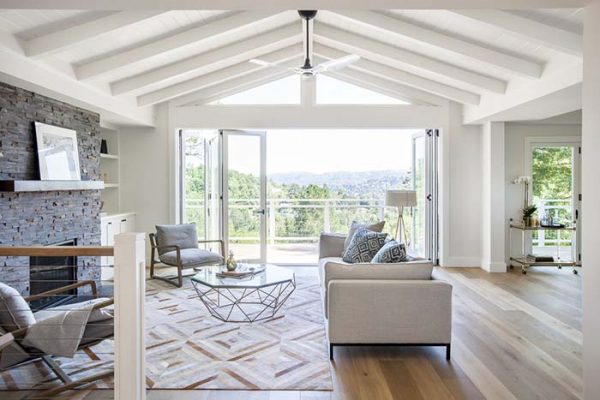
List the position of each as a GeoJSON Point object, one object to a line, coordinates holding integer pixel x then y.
{"type": "Point", "coordinates": [6, 340]}
{"type": "Point", "coordinates": [331, 245]}
{"type": "Point", "coordinates": [215, 241]}
{"type": "Point", "coordinates": [63, 289]}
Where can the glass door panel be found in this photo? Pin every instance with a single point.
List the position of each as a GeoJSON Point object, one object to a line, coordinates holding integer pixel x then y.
{"type": "Point", "coordinates": [419, 173]}
{"type": "Point", "coordinates": [244, 197]}
{"type": "Point", "coordinates": [555, 191]}
{"type": "Point", "coordinates": [192, 180]}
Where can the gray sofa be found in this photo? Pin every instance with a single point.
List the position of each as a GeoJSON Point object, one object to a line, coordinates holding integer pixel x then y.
{"type": "Point", "coordinates": [382, 304]}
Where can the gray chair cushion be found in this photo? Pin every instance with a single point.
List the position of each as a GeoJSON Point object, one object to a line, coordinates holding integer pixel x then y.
{"type": "Point", "coordinates": [192, 257]}
{"type": "Point", "coordinates": [363, 246]}
{"type": "Point", "coordinates": [391, 252]}
{"type": "Point", "coordinates": [376, 227]}
{"type": "Point", "coordinates": [183, 235]}
{"type": "Point", "coordinates": [15, 313]}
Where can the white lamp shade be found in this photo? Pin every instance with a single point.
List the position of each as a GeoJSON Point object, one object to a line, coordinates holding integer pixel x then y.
{"type": "Point", "coordinates": [400, 198]}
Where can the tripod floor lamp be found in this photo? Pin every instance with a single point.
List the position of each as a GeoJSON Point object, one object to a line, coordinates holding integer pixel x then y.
{"type": "Point", "coordinates": [400, 199]}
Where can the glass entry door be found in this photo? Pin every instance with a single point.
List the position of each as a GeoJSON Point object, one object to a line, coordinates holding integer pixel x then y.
{"type": "Point", "coordinates": [555, 168]}
{"type": "Point", "coordinates": [424, 177]}
{"type": "Point", "coordinates": [244, 194]}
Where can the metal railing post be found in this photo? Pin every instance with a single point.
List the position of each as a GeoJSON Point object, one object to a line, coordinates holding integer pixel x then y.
{"type": "Point", "coordinates": [129, 292]}
{"type": "Point", "coordinates": [327, 217]}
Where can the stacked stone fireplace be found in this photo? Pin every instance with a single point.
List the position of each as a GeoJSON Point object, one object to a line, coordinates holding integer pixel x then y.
{"type": "Point", "coordinates": [45, 218]}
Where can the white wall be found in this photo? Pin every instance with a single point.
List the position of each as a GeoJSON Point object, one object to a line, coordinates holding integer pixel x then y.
{"type": "Point", "coordinates": [145, 177]}
{"type": "Point", "coordinates": [516, 163]}
{"type": "Point", "coordinates": [591, 199]}
{"type": "Point", "coordinates": [464, 193]}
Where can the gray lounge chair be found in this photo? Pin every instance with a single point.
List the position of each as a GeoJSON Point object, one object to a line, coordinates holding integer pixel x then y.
{"type": "Point", "coordinates": [16, 318]}
{"type": "Point", "coordinates": [177, 246]}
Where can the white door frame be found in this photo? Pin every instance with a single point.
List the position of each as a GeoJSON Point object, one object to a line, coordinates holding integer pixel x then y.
{"type": "Point", "coordinates": [262, 210]}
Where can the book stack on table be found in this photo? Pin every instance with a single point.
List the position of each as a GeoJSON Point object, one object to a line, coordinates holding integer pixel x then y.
{"type": "Point", "coordinates": [533, 258]}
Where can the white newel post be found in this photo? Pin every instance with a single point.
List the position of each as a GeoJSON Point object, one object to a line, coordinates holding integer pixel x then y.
{"type": "Point", "coordinates": [130, 288]}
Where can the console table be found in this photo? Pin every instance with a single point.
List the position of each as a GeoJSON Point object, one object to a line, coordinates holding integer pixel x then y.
{"type": "Point", "coordinates": [524, 262]}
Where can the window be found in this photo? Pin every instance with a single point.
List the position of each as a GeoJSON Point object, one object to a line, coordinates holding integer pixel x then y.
{"type": "Point", "coordinates": [335, 91]}
{"type": "Point", "coordinates": [281, 91]}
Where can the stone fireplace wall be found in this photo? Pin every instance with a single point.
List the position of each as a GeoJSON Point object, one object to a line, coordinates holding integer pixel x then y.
{"type": "Point", "coordinates": [43, 218]}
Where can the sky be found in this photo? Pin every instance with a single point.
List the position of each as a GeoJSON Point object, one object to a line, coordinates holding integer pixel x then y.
{"type": "Point", "coordinates": [319, 151]}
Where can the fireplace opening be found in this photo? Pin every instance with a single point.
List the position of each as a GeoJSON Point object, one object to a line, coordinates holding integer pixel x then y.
{"type": "Point", "coordinates": [48, 273]}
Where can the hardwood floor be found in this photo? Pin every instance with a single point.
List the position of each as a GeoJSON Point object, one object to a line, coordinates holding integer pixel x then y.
{"type": "Point", "coordinates": [514, 337]}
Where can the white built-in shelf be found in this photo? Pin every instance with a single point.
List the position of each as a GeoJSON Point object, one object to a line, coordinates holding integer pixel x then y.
{"type": "Point", "coordinates": [109, 156]}
{"type": "Point", "coordinates": [111, 185]}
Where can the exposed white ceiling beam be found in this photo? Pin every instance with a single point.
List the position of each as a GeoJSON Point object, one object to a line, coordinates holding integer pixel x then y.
{"type": "Point", "coordinates": [287, 4]}
{"type": "Point", "coordinates": [59, 40]}
{"type": "Point", "coordinates": [403, 59]}
{"type": "Point", "coordinates": [234, 53]}
{"type": "Point", "coordinates": [386, 87]}
{"type": "Point", "coordinates": [528, 29]}
{"type": "Point", "coordinates": [236, 85]}
{"type": "Point", "coordinates": [384, 26]}
{"type": "Point", "coordinates": [227, 26]}
{"type": "Point", "coordinates": [219, 76]}
{"type": "Point", "coordinates": [384, 71]}
{"type": "Point", "coordinates": [22, 71]}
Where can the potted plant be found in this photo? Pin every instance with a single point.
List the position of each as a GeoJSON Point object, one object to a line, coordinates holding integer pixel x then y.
{"type": "Point", "coordinates": [528, 214]}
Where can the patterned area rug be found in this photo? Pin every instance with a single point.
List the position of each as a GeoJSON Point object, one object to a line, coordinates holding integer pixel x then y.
{"type": "Point", "coordinates": [189, 349]}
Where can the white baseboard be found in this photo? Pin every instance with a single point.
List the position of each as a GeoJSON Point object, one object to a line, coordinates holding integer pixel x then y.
{"type": "Point", "coordinates": [493, 267]}
{"type": "Point", "coordinates": [461, 262]}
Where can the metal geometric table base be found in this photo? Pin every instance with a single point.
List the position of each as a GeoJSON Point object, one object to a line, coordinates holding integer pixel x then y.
{"type": "Point", "coordinates": [235, 304]}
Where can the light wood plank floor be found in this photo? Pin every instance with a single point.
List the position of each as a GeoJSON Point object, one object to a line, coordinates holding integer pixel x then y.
{"type": "Point", "coordinates": [514, 337]}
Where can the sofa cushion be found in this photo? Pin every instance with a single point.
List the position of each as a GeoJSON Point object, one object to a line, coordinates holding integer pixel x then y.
{"type": "Point", "coordinates": [354, 226]}
{"type": "Point", "coordinates": [364, 245]}
{"type": "Point", "coordinates": [192, 257]}
{"type": "Point", "coordinates": [391, 252]}
{"type": "Point", "coordinates": [15, 313]}
{"type": "Point", "coordinates": [335, 268]}
{"type": "Point", "coordinates": [183, 235]}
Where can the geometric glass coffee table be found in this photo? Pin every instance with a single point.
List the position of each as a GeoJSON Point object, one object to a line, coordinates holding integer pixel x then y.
{"type": "Point", "coordinates": [253, 298]}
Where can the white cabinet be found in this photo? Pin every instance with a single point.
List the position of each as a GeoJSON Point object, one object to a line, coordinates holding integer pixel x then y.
{"type": "Point", "coordinates": [111, 225]}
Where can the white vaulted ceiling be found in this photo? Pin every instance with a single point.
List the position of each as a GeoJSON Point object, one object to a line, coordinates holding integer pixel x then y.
{"type": "Point", "coordinates": [142, 58]}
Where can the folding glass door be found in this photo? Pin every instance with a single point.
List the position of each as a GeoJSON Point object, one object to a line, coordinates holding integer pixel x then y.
{"type": "Point", "coordinates": [244, 197]}
{"type": "Point", "coordinates": [424, 226]}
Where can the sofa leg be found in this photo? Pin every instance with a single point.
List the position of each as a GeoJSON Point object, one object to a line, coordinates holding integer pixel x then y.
{"type": "Point", "coordinates": [448, 346]}
{"type": "Point", "coordinates": [330, 352]}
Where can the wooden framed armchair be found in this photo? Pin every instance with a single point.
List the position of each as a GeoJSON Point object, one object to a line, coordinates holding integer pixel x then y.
{"type": "Point", "coordinates": [17, 319]}
{"type": "Point", "coordinates": [177, 246]}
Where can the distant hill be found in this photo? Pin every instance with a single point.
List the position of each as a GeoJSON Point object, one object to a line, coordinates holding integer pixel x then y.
{"type": "Point", "coordinates": [354, 184]}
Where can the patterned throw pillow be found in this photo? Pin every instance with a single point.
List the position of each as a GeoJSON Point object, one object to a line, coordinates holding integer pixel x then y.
{"type": "Point", "coordinates": [363, 246]}
{"type": "Point", "coordinates": [391, 252]}
{"type": "Point", "coordinates": [354, 226]}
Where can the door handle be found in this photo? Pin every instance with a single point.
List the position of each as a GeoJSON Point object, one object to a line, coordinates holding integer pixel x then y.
{"type": "Point", "coordinates": [260, 211]}
{"type": "Point", "coordinates": [429, 197]}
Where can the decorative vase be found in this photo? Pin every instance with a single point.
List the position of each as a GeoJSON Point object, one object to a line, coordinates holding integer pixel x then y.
{"type": "Point", "coordinates": [231, 264]}
{"type": "Point", "coordinates": [527, 221]}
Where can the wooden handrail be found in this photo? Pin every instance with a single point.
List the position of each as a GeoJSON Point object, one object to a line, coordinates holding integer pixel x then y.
{"type": "Point", "coordinates": [51, 251]}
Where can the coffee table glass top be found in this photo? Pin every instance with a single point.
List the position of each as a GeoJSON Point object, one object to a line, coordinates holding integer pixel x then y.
{"type": "Point", "coordinates": [272, 275]}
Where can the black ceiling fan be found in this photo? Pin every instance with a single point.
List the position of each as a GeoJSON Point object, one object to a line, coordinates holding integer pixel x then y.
{"type": "Point", "coordinates": [308, 70]}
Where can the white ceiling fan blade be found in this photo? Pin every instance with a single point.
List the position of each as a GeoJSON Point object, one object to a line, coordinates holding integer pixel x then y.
{"type": "Point", "coordinates": [337, 64]}
{"type": "Point", "coordinates": [270, 65]}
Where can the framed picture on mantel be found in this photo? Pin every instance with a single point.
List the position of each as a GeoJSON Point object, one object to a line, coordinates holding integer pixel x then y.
{"type": "Point", "coordinates": [58, 155]}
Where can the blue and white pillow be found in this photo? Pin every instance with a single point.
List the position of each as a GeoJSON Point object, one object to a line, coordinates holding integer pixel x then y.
{"type": "Point", "coordinates": [363, 246]}
{"type": "Point", "coordinates": [391, 252]}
